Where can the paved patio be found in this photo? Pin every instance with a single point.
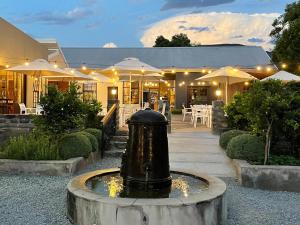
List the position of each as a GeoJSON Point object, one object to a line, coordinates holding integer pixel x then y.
{"type": "Point", "coordinates": [197, 149]}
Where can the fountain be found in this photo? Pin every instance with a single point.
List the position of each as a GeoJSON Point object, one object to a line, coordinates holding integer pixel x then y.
{"type": "Point", "coordinates": [144, 191]}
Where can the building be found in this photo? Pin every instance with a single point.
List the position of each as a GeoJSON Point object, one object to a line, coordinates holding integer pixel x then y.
{"type": "Point", "coordinates": [181, 67]}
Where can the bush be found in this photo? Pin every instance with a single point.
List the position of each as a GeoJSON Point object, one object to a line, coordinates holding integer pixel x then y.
{"type": "Point", "coordinates": [176, 111]}
{"type": "Point", "coordinates": [92, 110]}
{"type": "Point", "coordinates": [284, 160]}
{"type": "Point", "coordinates": [74, 145]}
{"type": "Point", "coordinates": [246, 147]}
{"type": "Point", "coordinates": [93, 140]}
{"type": "Point", "coordinates": [97, 133]}
{"type": "Point", "coordinates": [30, 147]}
{"type": "Point", "coordinates": [227, 136]}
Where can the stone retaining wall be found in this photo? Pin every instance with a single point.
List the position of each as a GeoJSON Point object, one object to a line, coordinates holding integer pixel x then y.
{"type": "Point", "coordinates": [47, 167]}
{"type": "Point", "coordinates": [14, 125]}
{"type": "Point", "coordinates": [274, 178]}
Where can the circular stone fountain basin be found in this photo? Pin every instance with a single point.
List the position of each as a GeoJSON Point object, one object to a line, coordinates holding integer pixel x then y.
{"type": "Point", "coordinates": [94, 198]}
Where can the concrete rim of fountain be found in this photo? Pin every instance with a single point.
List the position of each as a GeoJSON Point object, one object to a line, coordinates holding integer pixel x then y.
{"type": "Point", "coordinates": [216, 188]}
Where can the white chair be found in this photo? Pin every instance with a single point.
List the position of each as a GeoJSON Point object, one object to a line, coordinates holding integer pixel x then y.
{"type": "Point", "coordinates": [39, 110]}
{"type": "Point", "coordinates": [186, 111]}
{"type": "Point", "coordinates": [26, 111]}
{"type": "Point", "coordinates": [201, 114]}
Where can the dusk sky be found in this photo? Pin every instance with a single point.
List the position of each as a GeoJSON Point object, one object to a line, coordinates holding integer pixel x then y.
{"type": "Point", "coordinates": [136, 23]}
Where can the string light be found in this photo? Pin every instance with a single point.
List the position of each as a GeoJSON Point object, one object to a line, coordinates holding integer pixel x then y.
{"type": "Point", "coordinates": [173, 71]}
{"type": "Point", "coordinates": [246, 83]}
{"type": "Point", "coordinates": [209, 71]}
{"type": "Point", "coordinates": [55, 65]}
{"type": "Point", "coordinates": [203, 71]}
{"type": "Point", "coordinates": [214, 83]}
{"type": "Point", "coordinates": [186, 73]}
{"type": "Point", "coordinates": [26, 62]}
{"type": "Point", "coordinates": [143, 71]}
{"type": "Point", "coordinates": [116, 73]}
{"type": "Point", "coordinates": [162, 73]}
{"type": "Point", "coordinates": [114, 91]}
{"type": "Point", "coordinates": [235, 70]}
{"type": "Point", "coordinates": [203, 83]}
{"type": "Point", "coordinates": [269, 69]}
{"type": "Point", "coordinates": [93, 73]}
{"type": "Point", "coordinates": [72, 71]}
{"type": "Point", "coordinates": [83, 67]}
{"type": "Point", "coordinates": [283, 66]}
{"type": "Point", "coordinates": [192, 84]}
{"type": "Point", "coordinates": [258, 68]}
{"type": "Point", "coordinates": [199, 83]}
{"type": "Point", "coordinates": [6, 66]}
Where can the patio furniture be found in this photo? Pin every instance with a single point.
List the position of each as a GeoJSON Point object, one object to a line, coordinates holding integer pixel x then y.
{"type": "Point", "coordinates": [186, 111]}
{"type": "Point", "coordinates": [202, 112]}
{"type": "Point", "coordinates": [39, 110]}
{"type": "Point", "coordinates": [26, 111]}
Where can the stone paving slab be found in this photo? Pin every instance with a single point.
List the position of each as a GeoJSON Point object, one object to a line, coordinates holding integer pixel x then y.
{"type": "Point", "coordinates": [199, 150]}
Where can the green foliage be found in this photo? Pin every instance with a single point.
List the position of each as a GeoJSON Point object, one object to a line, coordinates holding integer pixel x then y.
{"type": "Point", "coordinates": [161, 41]}
{"type": "Point", "coordinates": [246, 147]}
{"type": "Point", "coordinates": [227, 136]}
{"type": "Point", "coordinates": [93, 140]}
{"type": "Point", "coordinates": [97, 133]}
{"type": "Point", "coordinates": [176, 111]}
{"type": "Point", "coordinates": [286, 35]}
{"type": "Point", "coordinates": [74, 145]}
{"type": "Point", "coordinates": [64, 111]}
{"type": "Point", "coordinates": [92, 110]}
{"type": "Point", "coordinates": [178, 40]}
{"type": "Point", "coordinates": [30, 147]}
{"type": "Point", "coordinates": [284, 160]}
{"type": "Point", "coordinates": [236, 111]}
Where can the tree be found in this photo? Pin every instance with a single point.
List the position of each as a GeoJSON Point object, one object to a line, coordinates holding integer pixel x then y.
{"type": "Point", "coordinates": [161, 41]}
{"type": "Point", "coordinates": [178, 40]}
{"type": "Point", "coordinates": [287, 39]}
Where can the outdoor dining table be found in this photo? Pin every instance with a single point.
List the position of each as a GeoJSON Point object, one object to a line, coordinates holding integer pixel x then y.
{"type": "Point", "coordinates": [205, 111]}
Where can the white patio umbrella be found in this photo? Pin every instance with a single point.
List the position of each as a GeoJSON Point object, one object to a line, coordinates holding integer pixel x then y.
{"type": "Point", "coordinates": [70, 74]}
{"type": "Point", "coordinates": [283, 76]}
{"type": "Point", "coordinates": [131, 67]}
{"type": "Point", "coordinates": [100, 78]}
{"type": "Point", "coordinates": [227, 75]}
{"type": "Point", "coordinates": [38, 68]}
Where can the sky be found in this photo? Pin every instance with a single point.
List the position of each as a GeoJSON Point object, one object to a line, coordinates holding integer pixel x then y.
{"type": "Point", "coordinates": [137, 23]}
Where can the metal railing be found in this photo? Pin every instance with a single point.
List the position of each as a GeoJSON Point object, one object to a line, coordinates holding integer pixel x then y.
{"type": "Point", "coordinates": [109, 126]}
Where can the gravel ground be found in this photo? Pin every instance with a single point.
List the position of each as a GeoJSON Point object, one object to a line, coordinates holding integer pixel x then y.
{"type": "Point", "coordinates": [40, 200]}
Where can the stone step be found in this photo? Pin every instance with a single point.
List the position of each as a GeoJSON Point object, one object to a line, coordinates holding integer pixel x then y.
{"type": "Point", "coordinates": [122, 133]}
{"type": "Point", "coordinates": [118, 144]}
{"type": "Point", "coordinates": [119, 138]}
{"type": "Point", "coordinates": [114, 153]}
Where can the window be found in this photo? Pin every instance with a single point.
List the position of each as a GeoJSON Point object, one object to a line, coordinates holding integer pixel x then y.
{"type": "Point", "coordinates": [89, 92]}
{"type": "Point", "coordinates": [134, 92]}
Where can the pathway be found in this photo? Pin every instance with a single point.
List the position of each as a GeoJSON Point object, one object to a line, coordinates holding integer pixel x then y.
{"type": "Point", "coordinates": [198, 149]}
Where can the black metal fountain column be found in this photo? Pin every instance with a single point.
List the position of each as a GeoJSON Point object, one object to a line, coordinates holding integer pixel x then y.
{"type": "Point", "coordinates": [145, 163]}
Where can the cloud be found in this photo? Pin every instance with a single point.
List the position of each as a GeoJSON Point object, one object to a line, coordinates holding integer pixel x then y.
{"type": "Point", "coordinates": [110, 45]}
{"type": "Point", "coordinates": [178, 4]}
{"type": "Point", "coordinates": [56, 18]}
{"type": "Point", "coordinates": [216, 28]}
{"type": "Point", "coordinates": [197, 29]}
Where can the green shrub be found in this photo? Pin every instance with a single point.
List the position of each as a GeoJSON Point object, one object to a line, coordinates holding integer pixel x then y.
{"type": "Point", "coordinates": [74, 145]}
{"type": "Point", "coordinates": [246, 147]}
{"type": "Point", "coordinates": [92, 109]}
{"type": "Point", "coordinates": [227, 136]}
{"type": "Point", "coordinates": [97, 133]}
{"type": "Point", "coordinates": [284, 160]}
{"type": "Point", "coordinates": [30, 147]}
{"type": "Point", "coordinates": [176, 111]}
{"type": "Point", "coordinates": [93, 140]}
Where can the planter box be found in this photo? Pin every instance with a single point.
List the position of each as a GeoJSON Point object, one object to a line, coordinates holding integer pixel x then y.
{"type": "Point", "coordinates": [47, 167]}
{"type": "Point", "coordinates": [274, 178]}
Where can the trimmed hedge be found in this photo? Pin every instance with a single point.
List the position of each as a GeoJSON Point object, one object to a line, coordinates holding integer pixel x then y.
{"type": "Point", "coordinates": [246, 147]}
{"type": "Point", "coordinates": [74, 145]}
{"type": "Point", "coordinates": [97, 133]}
{"type": "Point", "coordinates": [92, 139]}
{"type": "Point", "coordinates": [227, 136]}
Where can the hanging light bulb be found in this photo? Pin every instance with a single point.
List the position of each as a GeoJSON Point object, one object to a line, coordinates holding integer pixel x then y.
{"type": "Point", "coordinates": [114, 91]}
{"type": "Point", "coordinates": [218, 92]}
{"type": "Point", "coordinates": [72, 71]}
{"type": "Point", "coordinates": [26, 62]}
{"type": "Point", "coordinates": [113, 69]}
{"type": "Point", "coordinates": [6, 66]}
{"type": "Point", "coordinates": [162, 73]}
{"type": "Point", "coordinates": [83, 67]}
{"type": "Point", "coordinates": [204, 71]}
{"type": "Point", "coordinates": [186, 73]}
{"type": "Point", "coordinates": [173, 71]}
{"type": "Point", "coordinates": [116, 73]}
{"type": "Point", "coordinates": [192, 84]}
{"type": "Point", "coordinates": [203, 83]}
{"type": "Point", "coordinates": [246, 83]}
{"type": "Point", "coordinates": [269, 69]}
{"type": "Point", "coordinates": [93, 73]}
{"type": "Point", "coordinates": [214, 83]}
{"type": "Point", "coordinates": [199, 83]}
{"type": "Point", "coordinates": [258, 68]}
{"type": "Point", "coordinates": [209, 71]}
